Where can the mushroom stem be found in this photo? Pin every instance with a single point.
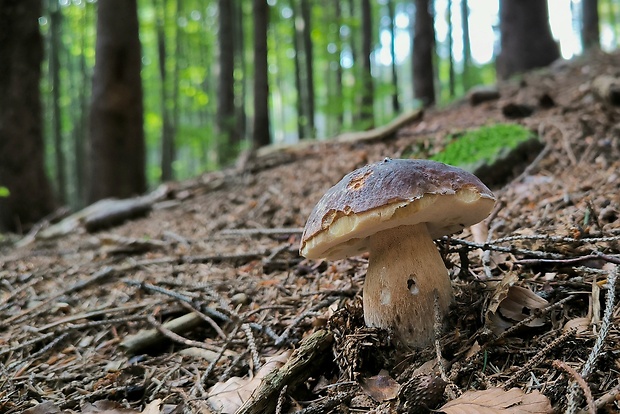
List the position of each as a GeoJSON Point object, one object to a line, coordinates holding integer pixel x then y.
{"type": "Point", "coordinates": [404, 272]}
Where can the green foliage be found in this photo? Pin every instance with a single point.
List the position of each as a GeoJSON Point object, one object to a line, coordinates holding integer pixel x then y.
{"type": "Point", "coordinates": [4, 192]}
{"type": "Point", "coordinates": [483, 145]}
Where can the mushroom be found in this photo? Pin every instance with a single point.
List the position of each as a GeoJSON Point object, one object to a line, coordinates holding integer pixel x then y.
{"type": "Point", "coordinates": [395, 209]}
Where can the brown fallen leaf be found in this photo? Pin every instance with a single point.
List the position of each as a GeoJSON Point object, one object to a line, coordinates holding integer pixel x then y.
{"type": "Point", "coordinates": [513, 305]}
{"type": "Point", "coordinates": [498, 401]}
{"type": "Point", "coordinates": [380, 387]}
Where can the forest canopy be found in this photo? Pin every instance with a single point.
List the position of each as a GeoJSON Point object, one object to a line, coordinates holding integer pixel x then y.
{"type": "Point", "coordinates": [329, 68]}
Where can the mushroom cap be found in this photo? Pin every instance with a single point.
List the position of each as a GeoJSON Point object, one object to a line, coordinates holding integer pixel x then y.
{"type": "Point", "coordinates": [392, 193]}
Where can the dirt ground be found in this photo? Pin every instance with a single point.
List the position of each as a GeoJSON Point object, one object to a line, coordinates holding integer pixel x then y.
{"type": "Point", "coordinates": [88, 320]}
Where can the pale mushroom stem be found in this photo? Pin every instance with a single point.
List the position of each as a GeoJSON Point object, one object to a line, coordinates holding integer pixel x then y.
{"type": "Point", "coordinates": [404, 271]}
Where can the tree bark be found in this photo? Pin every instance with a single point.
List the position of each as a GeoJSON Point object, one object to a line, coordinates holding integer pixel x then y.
{"type": "Point", "coordinates": [367, 107]}
{"type": "Point", "coordinates": [22, 168]}
{"type": "Point", "coordinates": [54, 65]}
{"type": "Point", "coordinates": [423, 45]}
{"type": "Point", "coordinates": [116, 123]}
{"type": "Point", "coordinates": [261, 135]}
{"type": "Point", "coordinates": [227, 138]}
{"type": "Point", "coordinates": [590, 35]}
{"type": "Point", "coordinates": [392, 16]}
{"type": "Point", "coordinates": [167, 134]}
{"type": "Point", "coordinates": [466, 45]}
{"type": "Point", "coordinates": [526, 40]}
{"type": "Point", "coordinates": [308, 65]}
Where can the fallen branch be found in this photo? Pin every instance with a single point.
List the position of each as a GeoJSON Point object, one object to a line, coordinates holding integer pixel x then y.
{"type": "Point", "coordinates": [382, 132]}
{"type": "Point", "coordinates": [311, 350]}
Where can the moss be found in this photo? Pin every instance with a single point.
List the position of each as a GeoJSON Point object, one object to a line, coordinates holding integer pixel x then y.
{"type": "Point", "coordinates": [484, 145]}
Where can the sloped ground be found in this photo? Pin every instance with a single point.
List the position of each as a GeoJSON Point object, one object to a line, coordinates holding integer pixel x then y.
{"type": "Point", "coordinates": [225, 244]}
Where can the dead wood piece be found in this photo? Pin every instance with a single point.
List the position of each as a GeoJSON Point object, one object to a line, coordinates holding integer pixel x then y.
{"type": "Point", "coordinates": [382, 132]}
{"type": "Point", "coordinates": [151, 337]}
{"type": "Point", "coordinates": [114, 212]}
{"type": "Point", "coordinates": [607, 88]}
{"type": "Point", "coordinates": [482, 93]}
{"type": "Point", "coordinates": [295, 371]}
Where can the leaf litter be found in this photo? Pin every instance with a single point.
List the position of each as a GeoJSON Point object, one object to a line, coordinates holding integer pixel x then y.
{"type": "Point", "coordinates": [210, 285]}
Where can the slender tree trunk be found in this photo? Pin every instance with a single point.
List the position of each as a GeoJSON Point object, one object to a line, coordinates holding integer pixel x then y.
{"type": "Point", "coordinates": [451, 71]}
{"type": "Point", "coordinates": [55, 51]}
{"type": "Point", "coordinates": [300, 102]}
{"type": "Point", "coordinates": [22, 168]}
{"type": "Point", "coordinates": [526, 40]}
{"type": "Point", "coordinates": [116, 122]}
{"type": "Point", "coordinates": [466, 45]}
{"type": "Point", "coordinates": [261, 134]}
{"type": "Point", "coordinates": [423, 46]}
{"type": "Point", "coordinates": [392, 16]}
{"type": "Point", "coordinates": [240, 99]}
{"type": "Point", "coordinates": [309, 65]}
{"type": "Point", "coordinates": [339, 92]}
{"type": "Point", "coordinates": [590, 35]}
{"type": "Point", "coordinates": [367, 109]}
{"type": "Point", "coordinates": [354, 101]}
{"type": "Point", "coordinates": [226, 124]}
{"type": "Point", "coordinates": [80, 136]}
{"type": "Point", "coordinates": [167, 137]}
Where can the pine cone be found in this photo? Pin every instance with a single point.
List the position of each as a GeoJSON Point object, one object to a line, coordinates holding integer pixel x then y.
{"type": "Point", "coordinates": [421, 393]}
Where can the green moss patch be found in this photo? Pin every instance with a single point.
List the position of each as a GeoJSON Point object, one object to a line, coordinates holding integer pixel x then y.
{"type": "Point", "coordinates": [493, 152]}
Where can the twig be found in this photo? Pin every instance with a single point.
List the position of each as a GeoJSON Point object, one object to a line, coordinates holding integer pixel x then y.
{"type": "Point", "coordinates": [150, 337]}
{"type": "Point", "coordinates": [571, 260]}
{"type": "Point", "coordinates": [211, 366]}
{"type": "Point", "coordinates": [281, 400]}
{"type": "Point", "coordinates": [538, 357]}
{"type": "Point", "coordinates": [261, 232]}
{"type": "Point", "coordinates": [88, 315]}
{"type": "Point", "coordinates": [26, 344]}
{"type": "Point", "coordinates": [251, 344]}
{"type": "Point", "coordinates": [588, 366]}
{"type": "Point", "coordinates": [49, 346]}
{"type": "Point", "coordinates": [206, 318]}
{"type": "Point", "coordinates": [453, 390]}
{"type": "Point", "coordinates": [581, 382]}
{"type": "Point", "coordinates": [329, 403]}
{"type": "Point", "coordinates": [284, 336]}
{"type": "Point", "coordinates": [168, 333]}
{"type": "Point", "coordinates": [514, 250]}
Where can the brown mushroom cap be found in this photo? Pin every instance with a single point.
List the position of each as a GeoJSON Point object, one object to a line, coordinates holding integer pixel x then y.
{"type": "Point", "coordinates": [392, 193]}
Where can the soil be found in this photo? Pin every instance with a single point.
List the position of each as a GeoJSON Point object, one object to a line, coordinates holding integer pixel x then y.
{"type": "Point", "coordinates": [224, 248]}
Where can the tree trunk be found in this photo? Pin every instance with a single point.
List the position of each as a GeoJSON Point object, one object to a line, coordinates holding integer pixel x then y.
{"type": "Point", "coordinates": [451, 71]}
{"type": "Point", "coordinates": [261, 135]}
{"type": "Point", "coordinates": [339, 72]}
{"type": "Point", "coordinates": [526, 40]}
{"type": "Point", "coordinates": [392, 16]}
{"type": "Point", "coordinates": [367, 107]}
{"type": "Point", "coordinates": [116, 122]}
{"type": "Point", "coordinates": [54, 64]}
{"type": "Point", "coordinates": [590, 35]}
{"type": "Point", "coordinates": [308, 65]}
{"type": "Point", "coordinates": [423, 44]}
{"type": "Point", "coordinates": [300, 101]}
{"type": "Point", "coordinates": [22, 168]}
{"type": "Point", "coordinates": [167, 134]}
{"type": "Point", "coordinates": [227, 137]}
{"type": "Point", "coordinates": [239, 43]}
{"type": "Point", "coordinates": [466, 45]}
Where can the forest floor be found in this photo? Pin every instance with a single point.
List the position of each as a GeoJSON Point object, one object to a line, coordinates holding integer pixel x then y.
{"type": "Point", "coordinates": [209, 289]}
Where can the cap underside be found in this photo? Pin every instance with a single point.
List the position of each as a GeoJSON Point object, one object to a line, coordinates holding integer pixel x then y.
{"type": "Point", "coordinates": [444, 214]}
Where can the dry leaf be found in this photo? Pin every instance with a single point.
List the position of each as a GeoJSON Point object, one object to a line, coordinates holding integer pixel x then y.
{"type": "Point", "coordinates": [498, 401]}
{"type": "Point", "coordinates": [227, 397]}
{"type": "Point", "coordinates": [580, 325]}
{"type": "Point", "coordinates": [518, 304]}
{"type": "Point", "coordinates": [381, 387]}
